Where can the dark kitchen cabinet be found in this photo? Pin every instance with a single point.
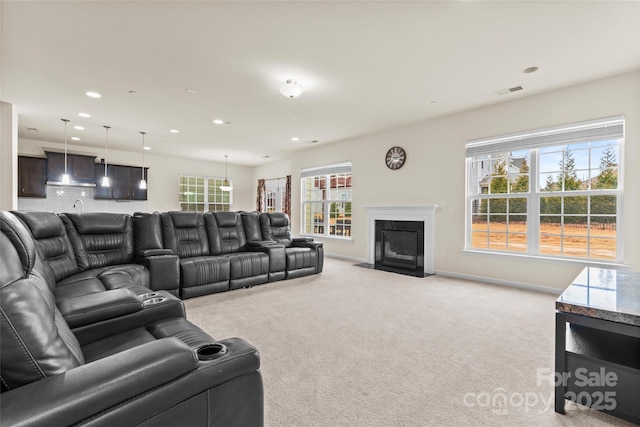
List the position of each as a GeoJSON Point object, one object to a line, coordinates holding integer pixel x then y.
{"type": "Point", "coordinates": [81, 169]}
{"type": "Point", "coordinates": [32, 177]}
{"type": "Point", "coordinates": [124, 180]}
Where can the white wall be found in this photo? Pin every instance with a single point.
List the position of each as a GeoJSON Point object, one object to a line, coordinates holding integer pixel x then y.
{"type": "Point", "coordinates": [435, 174]}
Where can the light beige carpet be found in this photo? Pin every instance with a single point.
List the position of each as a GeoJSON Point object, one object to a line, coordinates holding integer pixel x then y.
{"type": "Point", "coordinates": [360, 347]}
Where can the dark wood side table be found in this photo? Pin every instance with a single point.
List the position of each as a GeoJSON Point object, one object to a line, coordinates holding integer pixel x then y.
{"type": "Point", "coordinates": [598, 354]}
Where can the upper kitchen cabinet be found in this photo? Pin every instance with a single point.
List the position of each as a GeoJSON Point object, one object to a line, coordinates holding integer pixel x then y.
{"type": "Point", "coordinates": [81, 169]}
{"type": "Point", "coordinates": [32, 177]}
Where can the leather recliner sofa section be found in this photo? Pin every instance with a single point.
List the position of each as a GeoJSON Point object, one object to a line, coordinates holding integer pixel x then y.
{"type": "Point", "coordinates": [303, 255]}
{"type": "Point", "coordinates": [159, 371]}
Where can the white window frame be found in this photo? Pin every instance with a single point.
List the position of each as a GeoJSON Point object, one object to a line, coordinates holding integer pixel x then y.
{"type": "Point", "coordinates": [274, 190]}
{"type": "Point", "coordinates": [208, 199]}
{"type": "Point", "coordinates": [611, 128]}
{"type": "Point", "coordinates": [325, 172]}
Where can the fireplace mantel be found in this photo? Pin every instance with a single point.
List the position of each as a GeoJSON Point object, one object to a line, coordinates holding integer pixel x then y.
{"type": "Point", "coordinates": [425, 213]}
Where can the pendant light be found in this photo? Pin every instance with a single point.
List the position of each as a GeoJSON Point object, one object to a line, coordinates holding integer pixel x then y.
{"type": "Point", "coordinates": [65, 177]}
{"type": "Point", "coordinates": [105, 178]}
{"type": "Point", "coordinates": [143, 182]}
{"type": "Point", "coordinates": [226, 186]}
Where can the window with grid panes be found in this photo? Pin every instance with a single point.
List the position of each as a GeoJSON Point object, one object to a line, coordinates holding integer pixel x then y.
{"type": "Point", "coordinates": [275, 194]}
{"type": "Point", "coordinates": [203, 194]}
{"type": "Point", "coordinates": [326, 200]}
{"type": "Point", "coordinates": [554, 192]}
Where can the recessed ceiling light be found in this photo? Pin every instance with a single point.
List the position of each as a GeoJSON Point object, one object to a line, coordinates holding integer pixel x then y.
{"type": "Point", "coordinates": [295, 138]}
{"type": "Point", "coordinates": [190, 91]}
{"type": "Point", "coordinates": [174, 130]}
{"type": "Point", "coordinates": [78, 127]}
{"type": "Point", "coordinates": [75, 138]}
{"type": "Point", "coordinates": [218, 121]}
{"type": "Point", "coordinates": [87, 115]}
{"type": "Point", "coordinates": [147, 148]}
{"type": "Point", "coordinates": [530, 70]}
{"type": "Point", "coordinates": [92, 94]}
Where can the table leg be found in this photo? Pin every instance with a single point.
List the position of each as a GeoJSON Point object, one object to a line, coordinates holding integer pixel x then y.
{"type": "Point", "coordinates": [560, 386]}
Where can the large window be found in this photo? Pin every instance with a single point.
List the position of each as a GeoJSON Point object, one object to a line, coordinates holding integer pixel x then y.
{"type": "Point", "coordinates": [326, 200]}
{"type": "Point", "coordinates": [554, 192]}
{"type": "Point", "coordinates": [203, 194]}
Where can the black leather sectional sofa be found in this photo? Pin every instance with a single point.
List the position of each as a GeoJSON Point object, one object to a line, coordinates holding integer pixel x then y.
{"type": "Point", "coordinates": [93, 331]}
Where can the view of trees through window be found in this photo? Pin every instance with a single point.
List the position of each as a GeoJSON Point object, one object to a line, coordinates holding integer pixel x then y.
{"type": "Point", "coordinates": [573, 204]}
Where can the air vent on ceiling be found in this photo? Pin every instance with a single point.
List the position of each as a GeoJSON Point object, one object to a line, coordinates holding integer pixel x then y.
{"type": "Point", "coordinates": [508, 90]}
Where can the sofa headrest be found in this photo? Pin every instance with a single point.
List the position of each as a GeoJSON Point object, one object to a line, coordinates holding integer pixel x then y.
{"type": "Point", "coordinates": [184, 219]}
{"type": "Point", "coordinates": [19, 236]}
{"type": "Point", "coordinates": [98, 222]}
{"type": "Point", "coordinates": [226, 219]}
{"type": "Point", "coordinates": [42, 224]}
{"type": "Point", "coordinates": [278, 219]}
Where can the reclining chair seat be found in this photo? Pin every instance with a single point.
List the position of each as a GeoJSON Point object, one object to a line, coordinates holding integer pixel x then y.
{"type": "Point", "coordinates": [226, 237]}
{"type": "Point", "coordinates": [200, 273]}
{"type": "Point", "coordinates": [303, 256]}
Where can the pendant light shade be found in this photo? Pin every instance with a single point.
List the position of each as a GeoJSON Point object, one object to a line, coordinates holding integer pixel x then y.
{"type": "Point", "coordinates": [143, 182]}
{"type": "Point", "coordinates": [105, 178]}
{"type": "Point", "coordinates": [65, 177]}
{"type": "Point", "coordinates": [225, 186]}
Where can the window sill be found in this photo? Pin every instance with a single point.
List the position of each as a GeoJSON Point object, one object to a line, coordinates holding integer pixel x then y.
{"type": "Point", "coordinates": [324, 236]}
{"type": "Point", "coordinates": [540, 258]}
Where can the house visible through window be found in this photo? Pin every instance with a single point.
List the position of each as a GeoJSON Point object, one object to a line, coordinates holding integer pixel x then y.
{"type": "Point", "coordinates": [326, 200]}
{"type": "Point", "coordinates": [275, 194]}
{"type": "Point", "coordinates": [554, 192]}
{"type": "Point", "coordinates": [203, 194]}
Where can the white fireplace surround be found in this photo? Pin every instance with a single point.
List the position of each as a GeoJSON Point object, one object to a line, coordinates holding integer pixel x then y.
{"type": "Point", "coordinates": [425, 213]}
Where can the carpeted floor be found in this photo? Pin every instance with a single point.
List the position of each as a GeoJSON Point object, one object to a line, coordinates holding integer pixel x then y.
{"type": "Point", "coordinates": [360, 347]}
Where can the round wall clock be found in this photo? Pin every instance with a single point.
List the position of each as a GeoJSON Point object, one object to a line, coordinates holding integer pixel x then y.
{"type": "Point", "coordinates": [395, 158]}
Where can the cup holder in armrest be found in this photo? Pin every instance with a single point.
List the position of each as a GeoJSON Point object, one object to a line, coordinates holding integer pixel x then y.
{"type": "Point", "coordinates": [148, 295]}
{"type": "Point", "coordinates": [211, 351]}
{"type": "Point", "coordinates": [156, 300]}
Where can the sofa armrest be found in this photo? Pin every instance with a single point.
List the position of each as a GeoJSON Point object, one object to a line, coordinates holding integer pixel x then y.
{"type": "Point", "coordinates": [154, 252]}
{"type": "Point", "coordinates": [301, 239]}
{"type": "Point", "coordinates": [93, 308]}
{"type": "Point", "coordinates": [276, 252]}
{"type": "Point", "coordinates": [141, 385]}
{"type": "Point", "coordinates": [85, 391]}
{"type": "Point", "coordinates": [164, 272]}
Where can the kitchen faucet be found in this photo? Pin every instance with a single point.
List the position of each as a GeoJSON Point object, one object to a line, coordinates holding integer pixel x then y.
{"type": "Point", "coordinates": [81, 204]}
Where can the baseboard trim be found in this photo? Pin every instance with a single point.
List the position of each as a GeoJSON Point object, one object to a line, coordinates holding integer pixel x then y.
{"type": "Point", "coordinates": [500, 282]}
{"type": "Point", "coordinates": [346, 258]}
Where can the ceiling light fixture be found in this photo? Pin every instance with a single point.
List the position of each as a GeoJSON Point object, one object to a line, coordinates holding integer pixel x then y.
{"type": "Point", "coordinates": [75, 138]}
{"type": "Point", "coordinates": [92, 94]}
{"type": "Point", "coordinates": [291, 89]}
{"type": "Point", "coordinates": [85, 115]}
{"type": "Point", "coordinates": [143, 182]}
{"type": "Point", "coordinates": [218, 121]}
{"type": "Point", "coordinates": [530, 70]}
{"type": "Point", "coordinates": [65, 177]}
{"type": "Point", "coordinates": [174, 130]}
{"type": "Point", "coordinates": [295, 139]}
{"type": "Point", "coordinates": [226, 186]}
{"type": "Point", "coordinates": [77, 127]}
{"type": "Point", "coordinates": [105, 178]}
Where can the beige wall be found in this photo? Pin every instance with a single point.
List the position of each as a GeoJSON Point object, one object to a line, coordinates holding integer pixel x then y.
{"type": "Point", "coordinates": [435, 174]}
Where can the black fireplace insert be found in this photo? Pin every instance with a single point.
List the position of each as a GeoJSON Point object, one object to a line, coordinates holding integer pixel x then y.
{"type": "Point", "coordinates": [400, 247]}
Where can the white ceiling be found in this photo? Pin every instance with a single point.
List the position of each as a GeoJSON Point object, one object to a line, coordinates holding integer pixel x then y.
{"type": "Point", "coordinates": [366, 66]}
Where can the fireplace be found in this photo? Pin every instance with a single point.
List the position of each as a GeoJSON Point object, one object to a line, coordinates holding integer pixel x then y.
{"type": "Point", "coordinates": [400, 246]}
{"type": "Point", "coordinates": [402, 243]}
